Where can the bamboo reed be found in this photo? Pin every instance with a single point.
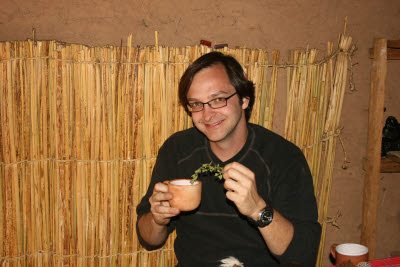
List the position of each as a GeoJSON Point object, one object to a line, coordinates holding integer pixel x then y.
{"type": "Point", "coordinates": [81, 127]}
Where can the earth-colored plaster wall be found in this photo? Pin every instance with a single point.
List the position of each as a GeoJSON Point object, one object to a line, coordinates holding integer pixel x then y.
{"type": "Point", "coordinates": [267, 24]}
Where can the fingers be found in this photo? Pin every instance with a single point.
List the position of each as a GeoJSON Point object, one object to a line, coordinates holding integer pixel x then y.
{"type": "Point", "coordinates": [164, 211]}
{"type": "Point", "coordinates": [160, 193]}
{"type": "Point", "coordinates": [236, 170]}
{"type": "Point", "coordinates": [160, 196]}
{"type": "Point", "coordinates": [232, 196]}
{"type": "Point", "coordinates": [160, 207]}
{"type": "Point", "coordinates": [162, 215]}
{"type": "Point", "coordinates": [238, 177]}
{"type": "Point", "coordinates": [237, 192]}
{"type": "Point", "coordinates": [233, 185]}
{"type": "Point", "coordinates": [239, 183]}
{"type": "Point", "coordinates": [241, 187]}
{"type": "Point", "coordinates": [160, 187]}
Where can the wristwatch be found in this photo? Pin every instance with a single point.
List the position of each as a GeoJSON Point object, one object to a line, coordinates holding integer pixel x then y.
{"type": "Point", "coordinates": [265, 217]}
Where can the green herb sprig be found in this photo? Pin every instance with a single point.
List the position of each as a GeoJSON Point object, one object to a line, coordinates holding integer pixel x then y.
{"type": "Point", "coordinates": [207, 168]}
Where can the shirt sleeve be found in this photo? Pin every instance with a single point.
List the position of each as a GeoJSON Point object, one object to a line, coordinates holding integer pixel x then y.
{"type": "Point", "coordinates": [163, 170]}
{"type": "Point", "coordinates": [294, 198]}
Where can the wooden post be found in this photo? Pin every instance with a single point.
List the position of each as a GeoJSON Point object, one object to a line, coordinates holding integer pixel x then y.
{"type": "Point", "coordinates": [374, 142]}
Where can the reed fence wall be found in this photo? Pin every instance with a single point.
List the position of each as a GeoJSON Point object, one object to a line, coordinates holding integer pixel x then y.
{"type": "Point", "coordinates": [80, 128]}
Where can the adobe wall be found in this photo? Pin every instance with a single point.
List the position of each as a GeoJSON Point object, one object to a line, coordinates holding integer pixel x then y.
{"type": "Point", "coordinates": [267, 24]}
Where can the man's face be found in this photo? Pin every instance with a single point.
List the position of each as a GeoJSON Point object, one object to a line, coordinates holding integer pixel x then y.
{"type": "Point", "coordinates": [223, 124]}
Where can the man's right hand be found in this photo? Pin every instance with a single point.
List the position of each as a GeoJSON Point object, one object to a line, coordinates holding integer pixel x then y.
{"type": "Point", "coordinates": [161, 211]}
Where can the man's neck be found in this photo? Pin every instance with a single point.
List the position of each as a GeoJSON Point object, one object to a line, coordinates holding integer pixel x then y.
{"type": "Point", "coordinates": [228, 148]}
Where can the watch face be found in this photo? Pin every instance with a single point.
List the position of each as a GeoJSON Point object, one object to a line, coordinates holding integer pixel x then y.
{"type": "Point", "coordinates": [266, 216]}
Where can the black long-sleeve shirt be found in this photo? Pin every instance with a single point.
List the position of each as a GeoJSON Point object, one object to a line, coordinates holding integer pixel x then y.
{"type": "Point", "coordinates": [216, 230]}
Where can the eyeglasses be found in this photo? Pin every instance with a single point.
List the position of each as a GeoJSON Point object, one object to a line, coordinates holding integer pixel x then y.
{"type": "Point", "coordinates": [216, 103]}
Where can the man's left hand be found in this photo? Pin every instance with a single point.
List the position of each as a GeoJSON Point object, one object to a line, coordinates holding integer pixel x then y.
{"type": "Point", "coordinates": [242, 189]}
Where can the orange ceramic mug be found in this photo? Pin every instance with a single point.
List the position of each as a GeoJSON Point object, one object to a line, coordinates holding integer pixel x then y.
{"type": "Point", "coordinates": [355, 253]}
{"type": "Point", "coordinates": [186, 196]}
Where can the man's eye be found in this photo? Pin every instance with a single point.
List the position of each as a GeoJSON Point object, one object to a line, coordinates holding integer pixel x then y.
{"type": "Point", "coordinates": [217, 100]}
{"type": "Point", "coordinates": [195, 104]}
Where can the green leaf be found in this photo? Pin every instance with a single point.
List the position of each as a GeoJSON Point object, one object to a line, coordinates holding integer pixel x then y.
{"type": "Point", "coordinates": [208, 168]}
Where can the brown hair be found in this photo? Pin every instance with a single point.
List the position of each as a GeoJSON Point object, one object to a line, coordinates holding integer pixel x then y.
{"type": "Point", "coordinates": [244, 88]}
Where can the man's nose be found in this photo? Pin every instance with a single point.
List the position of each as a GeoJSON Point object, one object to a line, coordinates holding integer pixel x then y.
{"type": "Point", "coordinates": [208, 112]}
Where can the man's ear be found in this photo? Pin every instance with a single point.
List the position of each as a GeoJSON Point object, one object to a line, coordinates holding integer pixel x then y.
{"type": "Point", "coordinates": [245, 102]}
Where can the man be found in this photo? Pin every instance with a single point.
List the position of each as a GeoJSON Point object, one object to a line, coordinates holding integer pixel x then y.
{"type": "Point", "coordinates": [264, 211]}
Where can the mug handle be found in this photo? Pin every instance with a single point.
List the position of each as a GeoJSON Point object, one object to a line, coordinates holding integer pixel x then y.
{"type": "Point", "coordinates": [333, 250]}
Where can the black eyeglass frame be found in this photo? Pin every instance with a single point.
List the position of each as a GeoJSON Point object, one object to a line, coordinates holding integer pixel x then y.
{"type": "Point", "coordinates": [208, 103]}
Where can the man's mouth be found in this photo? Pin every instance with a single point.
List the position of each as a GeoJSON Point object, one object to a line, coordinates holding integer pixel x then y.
{"type": "Point", "coordinates": [212, 125]}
